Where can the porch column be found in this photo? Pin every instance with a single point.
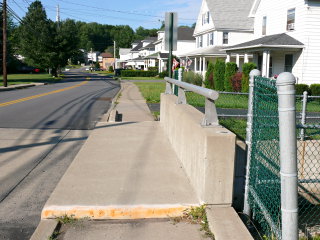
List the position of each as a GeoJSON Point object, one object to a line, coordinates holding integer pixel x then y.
{"type": "Point", "coordinates": [265, 63]}
{"type": "Point", "coordinates": [195, 64]}
{"type": "Point", "coordinates": [228, 58]}
{"type": "Point", "coordinates": [200, 67]}
{"type": "Point", "coordinates": [246, 58]}
{"type": "Point", "coordinates": [204, 67]}
{"type": "Point", "coordinates": [159, 66]}
{"type": "Point", "coordinates": [238, 60]}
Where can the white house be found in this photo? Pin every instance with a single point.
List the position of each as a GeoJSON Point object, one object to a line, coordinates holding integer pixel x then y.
{"type": "Point", "coordinates": [220, 23]}
{"type": "Point", "coordinates": [286, 38]}
{"type": "Point", "coordinates": [125, 55]}
{"type": "Point", "coordinates": [185, 41]}
{"type": "Point", "coordinates": [93, 56]}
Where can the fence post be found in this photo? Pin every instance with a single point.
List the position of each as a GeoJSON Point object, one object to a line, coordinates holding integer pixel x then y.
{"type": "Point", "coordinates": [303, 114]}
{"type": "Point", "coordinates": [288, 155]}
{"type": "Point", "coordinates": [253, 74]}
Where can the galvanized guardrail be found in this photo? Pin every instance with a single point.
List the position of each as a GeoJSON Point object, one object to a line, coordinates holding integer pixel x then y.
{"type": "Point", "coordinates": [210, 116]}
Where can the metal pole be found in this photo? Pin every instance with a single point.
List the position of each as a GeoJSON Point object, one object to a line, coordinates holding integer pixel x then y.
{"type": "Point", "coordinates": [4, 44]}
{"type": "Point", "coordinates": [288, 155]}
{"type": "Point", "coordinates": [114, 56]}
{"type": "Point", "coordinates": [253, 74]}
{"type": "Point", "coordinates": [170, 44]}
{"type": "Point", "coordinates": [303, 114]}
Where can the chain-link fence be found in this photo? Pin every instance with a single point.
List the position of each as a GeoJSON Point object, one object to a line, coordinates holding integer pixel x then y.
{"type": "Point", "coordinates": [264, 177]}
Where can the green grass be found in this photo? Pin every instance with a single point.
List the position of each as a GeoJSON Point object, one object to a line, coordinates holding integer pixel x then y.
{"type": "Point", "coordinates": [238, 126]}
{"type": "Point", "coordinates": [141, 78]}
{"type": "Point", "coordinates": [14, 79]}
{"type": "Point", "coordinates": [151, 91]}
{"type": "Point", "coordinates": [73, 66]}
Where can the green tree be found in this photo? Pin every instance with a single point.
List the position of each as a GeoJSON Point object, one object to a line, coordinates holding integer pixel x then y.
{"type": "Point", "coordinates": [209, 82]}
{"type": "Point", "coordinates": [246, 69]}
{"type": "Point", "coordinates": [219, 71]}
{"type": "Point", "coordinates": [142, 33]}
{"type": "Point", "coordinates": [231, 69]}
{"type": "Point", "coordinates": [36, 37]}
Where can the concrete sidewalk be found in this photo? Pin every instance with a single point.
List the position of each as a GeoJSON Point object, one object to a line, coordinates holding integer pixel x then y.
{"type": "Point", "coordinates": [128, 171]}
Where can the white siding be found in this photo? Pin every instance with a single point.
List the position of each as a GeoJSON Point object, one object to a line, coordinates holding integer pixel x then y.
{"type": "Point", "coordinates": [307, 31]}
{"type": "Point", "coordinates": [311, 57]}
{"type": "Point", "coordinates": [206, 27]}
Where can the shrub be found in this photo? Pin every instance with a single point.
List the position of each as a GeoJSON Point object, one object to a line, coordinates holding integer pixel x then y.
{"type": "Point", "coordinates": [97, 65]}
{"type": "Point", "coordinates": [231, 70]}
{"type": "Point", "coordinates": [315, 89]}
{"type": "Point", "coordinates": [236, 82]}
{"type": "Point", "coordinates": [163, 74]}
{"type": "Point", "coordinates": [218, 72]}
{"type": "Point", "coordinates": [152, 68]}
{"type": "Point", "coordinates": [209, 83]}
{"type": "Point", "coordinates": [138, 73]}
{"type": "Point", "coordinates": [246, 69]}
{"type": "Point", "coordinates": [110, 69]}
{"type": "Point", "coordinates": [300, 88]}
{"type": "Point", "coordinates": [193, 78]}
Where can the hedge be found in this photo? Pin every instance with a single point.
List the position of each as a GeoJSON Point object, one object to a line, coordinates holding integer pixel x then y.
{"type": "Point", "coordinates": [218, 72]}
{"type": "Point", "coordinates": [138, 73]}
{"type": "Point", "coordinates": [315, 89]}
{"type": "Point", "coordinates": [193, 78]}
{"type": "Point", "coordinates": [209, 83]}
{"type": "Point", "coordinates": [231, 69]}
{"type": "Point", "coordinates": [236, 82]}
{"type": "Point", "coordinates": [300, 88]}
{"type": "Point", "coordinates": [163, 74]}
{"type": "Point", "coordinates": [246, 69]}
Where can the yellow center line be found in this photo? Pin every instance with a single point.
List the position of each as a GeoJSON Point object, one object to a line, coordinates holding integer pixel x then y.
{"type": "Point", "coordinates": [41, 95]}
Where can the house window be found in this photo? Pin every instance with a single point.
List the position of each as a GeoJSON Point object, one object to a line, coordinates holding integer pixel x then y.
{"type": "Point", "coordinates": [205, 18]}
{"type": "Point", "coordinates": [288, 64]}
{"type": "Point", "coordinates": [225, 37]}
{"type": "Point", "coordinates": [201, 41]}
{"type": "Point", "coordinates": [211, 39]}
{"type": "Point", "coordinates": [291, 17]}
{"type": "Point", "coordinates": [264, 25]}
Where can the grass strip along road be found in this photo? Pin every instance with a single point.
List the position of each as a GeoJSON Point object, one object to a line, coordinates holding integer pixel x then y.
{"type": "Point", "coordinates": [41, 95]}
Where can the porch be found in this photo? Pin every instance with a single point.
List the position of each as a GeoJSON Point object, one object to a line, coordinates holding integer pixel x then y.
{"type": "Point", "coordinates": [273, 54]}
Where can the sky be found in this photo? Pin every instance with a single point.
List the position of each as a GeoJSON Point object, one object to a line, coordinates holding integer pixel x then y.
{"type": "Point", "coordinates": [135, 13]}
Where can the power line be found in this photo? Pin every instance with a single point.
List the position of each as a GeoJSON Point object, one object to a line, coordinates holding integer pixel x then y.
{"type": "Point", "coordinates": [120, 11]}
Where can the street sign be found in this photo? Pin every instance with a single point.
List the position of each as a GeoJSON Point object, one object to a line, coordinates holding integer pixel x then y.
{"type": "Point", "coordinates": [171, 30]}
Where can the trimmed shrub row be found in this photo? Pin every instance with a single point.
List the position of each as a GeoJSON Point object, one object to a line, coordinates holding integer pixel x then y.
{"type": "Point", "coordinates": [313, 89]}
{"type": "Point", "coordinates": [138, 73]}
{"type": "Point", "coordinates": [193, 78]}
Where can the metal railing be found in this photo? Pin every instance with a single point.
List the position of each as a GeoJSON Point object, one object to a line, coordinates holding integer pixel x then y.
{"type": "Point", "coordinates": [210, 116]}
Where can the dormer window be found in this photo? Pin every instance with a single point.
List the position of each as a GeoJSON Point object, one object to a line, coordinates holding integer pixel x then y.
{"type": "Point", "coordinates": [264, 25]}
{"type": "Point", "coordinates": [206, 18]}
{"type": "Point", "coordinates": [291, 17]}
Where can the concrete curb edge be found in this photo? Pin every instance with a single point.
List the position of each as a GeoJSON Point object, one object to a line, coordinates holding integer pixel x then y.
{"type": "Point", "coordinates": [45, 229]}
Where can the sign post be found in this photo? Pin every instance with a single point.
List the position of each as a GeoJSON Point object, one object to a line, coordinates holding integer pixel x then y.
{"type": "Point", "coordinates": [171, 36]}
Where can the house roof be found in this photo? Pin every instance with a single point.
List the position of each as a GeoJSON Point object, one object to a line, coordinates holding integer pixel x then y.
{"type": "Point", "coordinates": [136, 48]}
{"type": "Point", "coordinates": [124, 51]}
{"type": "Point", "coordinates": [206, 51]}
{"type": "Point", "coordinates": [164, 55]}
{"type": "Point", "coordinates": [282, 40]}
{"type": "Point", "coordinates": [185, 33]}
{"type": "Point", "coordinates": [106, 55]}
{"type": "Point", "coordinates": [152, 56]}
{"type": "Point", "coordinates": [150, 45]}
{"type": "Point", "coordinates": [231, 14]}
{"type": "Point", "coordinates": [150, 39]}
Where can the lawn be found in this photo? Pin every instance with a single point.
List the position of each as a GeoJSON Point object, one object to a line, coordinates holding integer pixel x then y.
{"type": "Point", "coordinates": [14, 79]}
{"type": "Point", "coordinates": [238, 126]}
{"type": "Point", "coordinates": [141, 78]}
{"type": "Point", "coordinates": [151, 91]}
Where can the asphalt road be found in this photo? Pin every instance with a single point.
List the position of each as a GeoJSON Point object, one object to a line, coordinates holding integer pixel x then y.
{"type": "Point", "coordinates": [41, 131]}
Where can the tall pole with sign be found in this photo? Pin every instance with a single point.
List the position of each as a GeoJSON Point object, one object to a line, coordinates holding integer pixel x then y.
{"type": "Point", "coordinates": [4, 43]}
{"type": "Point", "coordinates": [171, 37]}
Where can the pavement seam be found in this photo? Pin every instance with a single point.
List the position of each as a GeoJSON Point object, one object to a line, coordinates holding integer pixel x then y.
{"type": "Point", "coordinates": [40, 161]}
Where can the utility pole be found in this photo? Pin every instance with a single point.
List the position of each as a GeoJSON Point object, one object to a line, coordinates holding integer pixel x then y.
{"type": "Point", "coordinates": [4, 44]}
{"type": "Point", "coordinates": [58, 14]}
{"type": "Point", "coordinates": [114, 56]}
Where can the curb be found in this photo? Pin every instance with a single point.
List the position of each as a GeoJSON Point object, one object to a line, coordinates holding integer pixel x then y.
{"type": "Point", "coordinates": [45, 229]}
{"type": "Point", "coordinates": [12, 87]}
{"type": "Point", "coordinates": [126, 212]}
